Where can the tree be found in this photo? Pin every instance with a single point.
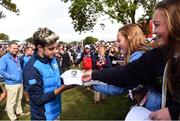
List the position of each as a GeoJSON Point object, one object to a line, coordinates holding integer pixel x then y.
{"type": "Point", "coordinates": [4, 36]}
{"type": "Point", "coordinates": [144, 24]}
{"type": "Point", "coordinates": [9, 6]}
{"type": "Point", "coordinates": [85, 13]}
{"type": "Point", "coordinates": [60, 42]}
{"type": "Point", "coordinates": [15, 41]}
{"type": "Point", "coordinates": [89, 40]}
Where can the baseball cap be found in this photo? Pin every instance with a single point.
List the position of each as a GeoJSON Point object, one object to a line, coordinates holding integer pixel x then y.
{"type": "Point", "coordinates": [87, 46]}
{"type": "Point", "coordinates": [72, 77]}
{"type": "Point", "coordinates": [138, 113]}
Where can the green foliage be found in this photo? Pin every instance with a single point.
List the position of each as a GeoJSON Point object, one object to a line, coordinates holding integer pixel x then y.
{"type": "Point", "coordinates": [4, 36]}
{"type": "Point", "coordinates": [60, 42]}
{"type": "Point", "coordinates": [15, 41]}
{"type": "Point", "coordinates": [89, 40]}
{"type": "Point", "coordinates": [75, 42]}
{"type": "Point", "coordinates": [144, 25]}
{"type": "Point", "coordinates": [85, 13]}
{"type": "Point", "coordinates": [9, 6]}
{"type": "Point", "coordinates": [148, 6]}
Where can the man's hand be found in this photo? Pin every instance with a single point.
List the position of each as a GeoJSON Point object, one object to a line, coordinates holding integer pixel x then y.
{"type": "Point", "coordinates": [66, 87]}
{"type": "Point", "coordinates": [162, 114]}
{"type": "Point", "coordinates": [62, 88]}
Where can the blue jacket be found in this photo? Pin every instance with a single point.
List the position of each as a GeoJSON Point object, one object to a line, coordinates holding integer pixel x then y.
{"type": "Point", "coordinates": [10, 69]}
{"type": "Point", "coordinates": [23, 60]}
{"type": "Point", "coordinates": [41, 78]}
{"type": "Point", "coordinates": [136, 55]}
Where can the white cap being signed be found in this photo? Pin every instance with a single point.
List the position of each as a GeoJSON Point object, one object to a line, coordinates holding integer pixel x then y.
{"type": "Point", "coordinates": [72, 77]}
{"type": "Point", "coordinates": [138, 114]}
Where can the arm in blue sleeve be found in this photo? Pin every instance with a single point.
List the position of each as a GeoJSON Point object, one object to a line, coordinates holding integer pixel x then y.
{"type": "Point", "coordinates": [34, 86]}
{"type": "Point", "coordinates": [135, 56]}
{"type": "Point", "coordinates": [3, 72]}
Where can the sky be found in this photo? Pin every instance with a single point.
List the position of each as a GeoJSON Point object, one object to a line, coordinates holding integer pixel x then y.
{"type": "Point", "coordinates": [52, 14]}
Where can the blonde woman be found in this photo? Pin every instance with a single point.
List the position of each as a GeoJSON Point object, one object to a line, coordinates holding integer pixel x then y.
{"type": "Point", "coordinates": [102, 61]}
{"type": "Point", "coordinates": [150, 67]}
{"type": "Point", "coordinates": [132, 42]}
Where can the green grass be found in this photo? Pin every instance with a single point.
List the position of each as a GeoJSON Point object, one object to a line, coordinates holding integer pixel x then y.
{"type": "Point", "coordinates": [3, 114]}
{"type": "Point", "coordinates": [77, 104]}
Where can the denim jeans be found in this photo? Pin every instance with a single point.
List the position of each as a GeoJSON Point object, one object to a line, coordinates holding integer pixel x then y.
{"type": "Point", "coordinates": [153, 102]}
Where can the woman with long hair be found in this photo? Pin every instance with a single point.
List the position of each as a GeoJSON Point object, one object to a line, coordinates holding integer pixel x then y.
{"type": "Point", "coordinates": [150, 67]}
{"type": "Point", "coordinates": [132, 42]}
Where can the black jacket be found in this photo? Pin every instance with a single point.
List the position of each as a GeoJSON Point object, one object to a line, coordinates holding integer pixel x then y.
{"type": "Point", "coordinates": [148, 70]}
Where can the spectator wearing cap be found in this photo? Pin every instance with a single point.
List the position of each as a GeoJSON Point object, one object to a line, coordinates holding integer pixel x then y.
{"type": "Point", "coordinates": [87, 47]}
{"type": "Point", "coordinates": [87, 58]}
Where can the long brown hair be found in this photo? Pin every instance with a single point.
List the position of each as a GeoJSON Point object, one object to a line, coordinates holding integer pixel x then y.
{"type": "Point", "coordinates": [171, 10]}
{"type": "Point", "coordinates": [135, 37]}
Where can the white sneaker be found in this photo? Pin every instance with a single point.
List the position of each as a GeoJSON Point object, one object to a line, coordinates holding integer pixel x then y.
{"type": "Point", "coordinates": [27, 113]}
{"type": "Point", "coordinates": [23, 114]}
{"type": "Point", "coordinates": [27, 104]}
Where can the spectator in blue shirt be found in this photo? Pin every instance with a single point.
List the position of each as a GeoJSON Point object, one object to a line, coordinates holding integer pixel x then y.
{"type": "Point", "coordinates": [10, 70]}
{"type": "Point", "coordinates": [28, 52]}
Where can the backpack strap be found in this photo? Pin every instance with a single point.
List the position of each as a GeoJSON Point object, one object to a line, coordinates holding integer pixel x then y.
{"type": "Point", "coordinates": [143, 101]}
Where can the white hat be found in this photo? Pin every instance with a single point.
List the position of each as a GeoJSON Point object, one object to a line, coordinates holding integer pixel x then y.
{"type": "Point", "coordinates": [87, 46]}
{"type": "Point", "coordinates": [138, 114]}
{"type": "Point", "coordinates": [72, 77]}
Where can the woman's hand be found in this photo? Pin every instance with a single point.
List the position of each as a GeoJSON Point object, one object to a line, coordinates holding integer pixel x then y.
{"type": "Point", "coordinates": [162, 114]}
{"type": "Point", "coordinates": [86, 76]}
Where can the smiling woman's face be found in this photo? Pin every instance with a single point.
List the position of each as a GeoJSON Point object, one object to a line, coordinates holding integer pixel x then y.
{"type": "Point", "coordinates": [122, 42]}
{"type": "Point", "coordinates": [161, 27]}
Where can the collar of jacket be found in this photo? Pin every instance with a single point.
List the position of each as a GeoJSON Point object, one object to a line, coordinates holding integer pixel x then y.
{"type": "Point", "coordinates": [43, 60]}
{"type": "Point", "coordinates": [11, 57]}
